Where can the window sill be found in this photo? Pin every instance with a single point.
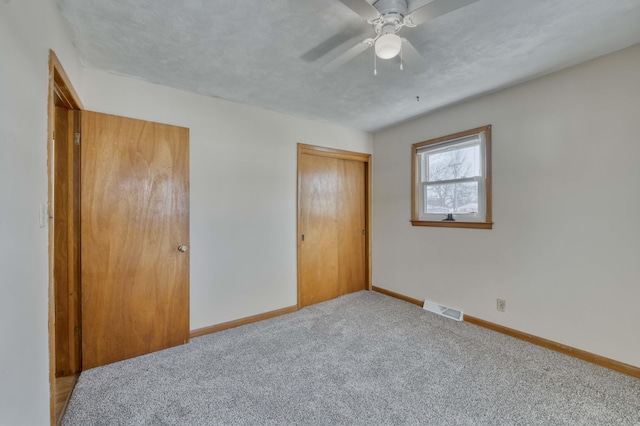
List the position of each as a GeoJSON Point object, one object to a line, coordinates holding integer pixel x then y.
{"type": "Point", "coordinates": [456, 224]}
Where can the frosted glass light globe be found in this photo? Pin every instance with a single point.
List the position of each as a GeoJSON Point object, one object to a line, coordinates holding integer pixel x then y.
{"type": "Point", "coordinates": [388, 46]}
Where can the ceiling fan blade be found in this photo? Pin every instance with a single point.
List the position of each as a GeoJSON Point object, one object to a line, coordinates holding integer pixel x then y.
{"type": "Point", "coordinates": [412, 59]}
{"type": "Point", "coordinates": [347, 37]}
{"type": "Point", "coordinates": [436, 8]}
{"type": "Point", "coordinates": [347, 56]}
{"type": "Point", "coordinates": [362, 8]}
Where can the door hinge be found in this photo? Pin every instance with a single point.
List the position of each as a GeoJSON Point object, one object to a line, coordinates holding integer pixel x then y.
{"type": "Point", "coordinates": [76, 138]}
{"type": "Point", "coordinates": [77, 331]}
{"type": "Point", "coordinates": [302, 237]}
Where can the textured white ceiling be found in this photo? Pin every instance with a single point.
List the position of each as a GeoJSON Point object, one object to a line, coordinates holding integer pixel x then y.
{"type": "Point", "coordinates": [270, 53]}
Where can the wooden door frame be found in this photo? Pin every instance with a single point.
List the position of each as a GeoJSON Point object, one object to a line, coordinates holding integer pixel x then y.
{"type": "Point", "coordinates": [321, 151]}
{"type": "Point", "coordinates": [59, 87]}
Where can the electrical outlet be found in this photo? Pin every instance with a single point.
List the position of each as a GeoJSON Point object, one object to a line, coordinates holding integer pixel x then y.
{"type": "Point", "coordinates": [501, 305]}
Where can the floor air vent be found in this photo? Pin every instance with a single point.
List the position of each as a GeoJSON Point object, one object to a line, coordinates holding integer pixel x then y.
{"type": "Point", "coordinates": [443, 310]}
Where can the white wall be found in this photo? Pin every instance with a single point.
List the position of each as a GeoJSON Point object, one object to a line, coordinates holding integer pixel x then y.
{"type": "Point", "coordinates": [243, 190]}
{"type": "Point", "coordinates": [27, 30]}
{"type": "Point", "coordinates": [565, 248]}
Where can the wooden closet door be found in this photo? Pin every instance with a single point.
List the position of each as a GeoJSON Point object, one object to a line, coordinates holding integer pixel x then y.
{"type": "Point", "coordinates": [351, 226]}
{"type": "Point", "coordinates": [331, 224]}
{"type": "Point", "coordinates": [134, 218]}
{"type": "Point", "coordinates": [318, 209]}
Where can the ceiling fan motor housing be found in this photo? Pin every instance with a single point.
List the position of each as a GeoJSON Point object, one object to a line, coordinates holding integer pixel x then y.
{"type": "Point", "coordinates": [392, 10]}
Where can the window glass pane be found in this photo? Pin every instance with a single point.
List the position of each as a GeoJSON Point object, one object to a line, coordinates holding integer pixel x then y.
{"type": "Point", "coordinates": [423, 167]}
{"type": "Point", "coordinates": [457, 198]}
{"type": "Point", "coordinates": [454, 163]}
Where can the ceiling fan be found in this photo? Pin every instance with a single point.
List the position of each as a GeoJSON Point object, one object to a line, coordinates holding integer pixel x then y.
{"type": "Point", "coordinates": [388, 17]}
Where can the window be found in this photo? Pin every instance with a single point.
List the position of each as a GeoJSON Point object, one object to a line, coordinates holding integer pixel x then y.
{"type": "Point", "coordinates": [452, 180]}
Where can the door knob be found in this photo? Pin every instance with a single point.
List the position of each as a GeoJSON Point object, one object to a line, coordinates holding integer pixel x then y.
{"type": "Point", "coordinates": [182, 248]}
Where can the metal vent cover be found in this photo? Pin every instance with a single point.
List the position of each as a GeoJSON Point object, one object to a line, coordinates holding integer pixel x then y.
{"type": "Point", "coordinates": [445, 311]}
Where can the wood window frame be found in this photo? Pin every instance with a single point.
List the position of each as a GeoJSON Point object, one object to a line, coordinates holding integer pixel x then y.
{"type": "Point", "coordinates": [415, 182]}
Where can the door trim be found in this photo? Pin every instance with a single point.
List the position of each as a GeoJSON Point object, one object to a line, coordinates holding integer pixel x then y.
{"type": "Point", "coordinates": [60, 87]}
{"type": "Point", "coordinates": [343, 155]}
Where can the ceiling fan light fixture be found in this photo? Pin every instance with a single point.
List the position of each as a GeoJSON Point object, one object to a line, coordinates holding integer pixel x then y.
{"type": "Point", "coordinates": [388, 46]}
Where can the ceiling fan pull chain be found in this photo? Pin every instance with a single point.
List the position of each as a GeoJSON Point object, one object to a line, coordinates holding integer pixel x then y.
{"type": "Point", "coordinates": [401, 61]}
{"type": "Point", "coordinates": [375, 63]}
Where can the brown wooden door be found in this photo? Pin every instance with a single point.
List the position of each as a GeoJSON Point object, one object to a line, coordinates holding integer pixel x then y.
{"type": "Point", "coordinates": [134, 216]}
{"type": "Point", "coordinates": [351, 226]}
{"type": "Point", "coordinates": [319, 268]}
{"type": "Point", "coordinates": [331, 223]}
